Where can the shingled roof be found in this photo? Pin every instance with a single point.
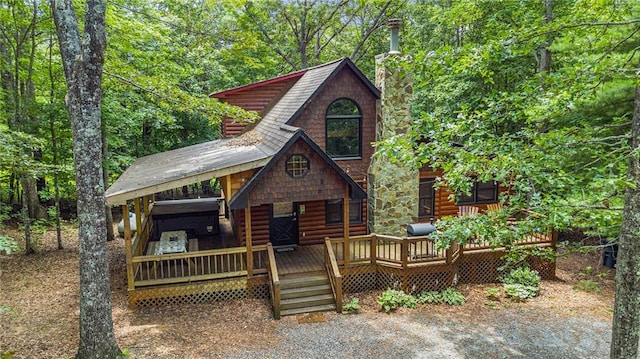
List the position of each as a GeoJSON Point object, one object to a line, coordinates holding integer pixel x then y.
{"type": "Point", "coordinates": [253, 149]}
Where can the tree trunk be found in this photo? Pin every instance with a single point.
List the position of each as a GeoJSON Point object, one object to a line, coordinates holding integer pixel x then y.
{"type": "Point", "coordinates": [105, 177]}
{"type": "Point", "coordinates": [54, 146]}
{"type": "Point", "coordinates": [82, 58]}
{"type": "Point", "coordinates": [545, 54]}
{"type": "Point", "coordinates": [26, 220]}
{"type": "Point", "coordinates": [626, 315]}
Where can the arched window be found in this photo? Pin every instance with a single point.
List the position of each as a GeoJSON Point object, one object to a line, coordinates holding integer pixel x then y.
{"type": "Point", "coordinates": [344, 129]}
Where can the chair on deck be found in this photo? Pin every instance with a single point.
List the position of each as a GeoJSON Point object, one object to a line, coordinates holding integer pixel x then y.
{"type": "Point", "coordinates": [494, 207]}
{"type": "Point", "coordinates": [467, 211]}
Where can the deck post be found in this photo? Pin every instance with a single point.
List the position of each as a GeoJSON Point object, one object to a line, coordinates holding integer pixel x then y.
{"type": "Point", "coordinates": [145, 206]}
{"type": "Point", "coordinates": [345, 225]}
{"type": "Point", "coordinates": [373, 244]}
{"type": "Point", "coordinates": [404, 252]}
{"type": "Point", "coordinates": [138, 218]}
{"type": "Point", "coordinates": [247, 230]}
{"type": "Point", "coordinates": [127, 245]}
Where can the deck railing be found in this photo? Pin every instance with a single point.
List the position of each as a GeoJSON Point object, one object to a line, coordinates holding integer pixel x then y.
{"type": "Point", "coordinates": [196, 266]}
{"type": "Point", "coordinates": [335, 277]}
{"type": "Point", "coordinates": [141, 237]}
{"type": "Point", "coordinates": [408, 252]}
{"type": "Point", "coordinates": [274, 280]}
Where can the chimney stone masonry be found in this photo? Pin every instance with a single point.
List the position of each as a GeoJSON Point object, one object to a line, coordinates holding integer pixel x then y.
{"type": "Point", "coordinates": [392, 186]}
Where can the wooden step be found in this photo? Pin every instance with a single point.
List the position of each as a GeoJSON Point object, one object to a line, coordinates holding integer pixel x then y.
{"type": "Point", "coordinates": [309, 301]}
{"type": "Point", "coordinates": [300, 282]}
{"type": "Point", "coordinates": [305, 291]}
{"type": "Point", "coordinates": [318, 308]}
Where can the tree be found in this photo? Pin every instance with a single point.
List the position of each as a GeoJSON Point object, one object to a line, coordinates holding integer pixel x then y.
{"type": "Point", "coordinates": [306, 33]}
{"type": "Point", "coordinates": [82, 56]}
{"type": "Point", "coordinates": [626, 315]}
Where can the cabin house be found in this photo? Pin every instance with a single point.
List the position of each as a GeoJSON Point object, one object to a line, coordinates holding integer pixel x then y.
{"type": "Point", "coordinates": [308, 211]}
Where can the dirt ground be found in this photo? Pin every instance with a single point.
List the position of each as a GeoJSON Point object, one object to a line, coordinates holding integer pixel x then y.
{"type": "Point", "coordinates": [39, 308]}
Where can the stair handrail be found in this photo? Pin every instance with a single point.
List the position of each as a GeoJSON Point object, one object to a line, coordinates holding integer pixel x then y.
{"type": "Point", "coordinates": [274, 280]}
{"type": "Point", "coordinates": [335, 278]}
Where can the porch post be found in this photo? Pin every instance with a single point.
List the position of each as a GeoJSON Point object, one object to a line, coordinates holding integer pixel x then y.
{"type": "Point", "coordinates": [247, 233]}
{"type": "Point", "coordinates": [127, 245]}
{"type": "Point", "coordinates": [345, 224]}
{"type": "Point", "coordinates": [138, 218]}
{"type": "Point", "coordinates": [145, 205]}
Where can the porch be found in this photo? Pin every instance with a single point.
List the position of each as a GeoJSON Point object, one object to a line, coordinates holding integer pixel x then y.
{"type": "Point", "coordinates": [358, 263]}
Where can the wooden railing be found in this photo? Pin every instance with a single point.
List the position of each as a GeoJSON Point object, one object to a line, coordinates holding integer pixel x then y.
{"type": "Point", "coordinates": [407, 252]}
{"type": "Point", "coordinates": [195, 266]}
{"type": "Point", "coordinates": [141, 238]}
{"type": "Point", "coordinates": [274, 280]}
{"type": "Point", "coordinates": [335, 277]}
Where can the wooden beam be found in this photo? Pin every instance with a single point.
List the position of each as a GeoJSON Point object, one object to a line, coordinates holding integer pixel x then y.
{"type": "Point", "coordinates": [145, 205]}
{"type": "Point", "coordinates": [227, 191]}
{"type": "Point", "coordinates": [247, 234]}
{"type": "Point", "coordinates": [345, 223]}
{"type": "Point", "coordinates": [136, 206]}
{"type": "Point", "coordinates": [127, 245]}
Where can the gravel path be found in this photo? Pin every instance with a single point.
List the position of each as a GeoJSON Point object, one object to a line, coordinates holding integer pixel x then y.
{"type": "Point", "coordinates": [504, 335]}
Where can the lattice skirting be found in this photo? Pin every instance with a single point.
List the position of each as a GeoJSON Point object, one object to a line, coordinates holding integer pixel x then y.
{"type": "Point", "coordinates": [419, 279]}
{"type": "Point", "coordinates": [480, 267]}
{"type": "Point", "coordinates": [201, 292]}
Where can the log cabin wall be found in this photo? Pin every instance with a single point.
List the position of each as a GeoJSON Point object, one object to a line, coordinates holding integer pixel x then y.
{"type": "Point", "coordinates": [444, 206]}
{"type": "Point", "coordinates": [312, 224]}
{"type": "Point", "coordinates": [344, 85]}
{"type": "Point", "coordinates": [259, 99]}
{"type": "Point", "coordinates": [259, 225]}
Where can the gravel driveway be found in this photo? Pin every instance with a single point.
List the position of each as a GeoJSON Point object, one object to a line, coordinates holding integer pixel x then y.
{"type": "Point", "coordinates": [504, 335]}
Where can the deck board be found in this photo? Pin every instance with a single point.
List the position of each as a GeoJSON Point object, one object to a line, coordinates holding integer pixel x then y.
{"type": "Point", "coordinates": [300, 260]}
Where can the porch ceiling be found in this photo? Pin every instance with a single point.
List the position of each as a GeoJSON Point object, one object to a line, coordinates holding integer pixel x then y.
{"type": "Point", "coordinates": [187, 165]}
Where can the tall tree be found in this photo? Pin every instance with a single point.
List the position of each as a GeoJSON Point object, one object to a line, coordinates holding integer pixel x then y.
{"type": "Point", "coordinates": [626, 315]}
{"type": "Point", "coordinates": [83, 56]}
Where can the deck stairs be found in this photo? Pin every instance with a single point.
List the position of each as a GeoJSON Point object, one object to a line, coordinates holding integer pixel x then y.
{"type": "Point", "coordinates": [306, 293]}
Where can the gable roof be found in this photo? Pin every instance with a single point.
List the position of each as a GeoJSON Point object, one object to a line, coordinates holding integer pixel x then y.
{"type": "Point", "coordinates": [253, 149]}
{"type": "Point", "coordinates": [235, 90]}
{"type": "Point", "coordinates": [240, 199]}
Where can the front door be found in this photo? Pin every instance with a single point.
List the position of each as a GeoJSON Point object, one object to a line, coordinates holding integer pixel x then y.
{"type": "Point", "coordinates": [283, 224]}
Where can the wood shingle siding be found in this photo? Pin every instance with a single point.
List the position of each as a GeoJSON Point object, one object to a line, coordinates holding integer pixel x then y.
{"type": "Point", "coordinates": [345, 84]}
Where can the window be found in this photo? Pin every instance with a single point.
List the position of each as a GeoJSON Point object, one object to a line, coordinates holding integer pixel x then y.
{"type": "Point", "coordinates": [427, 198]}
{"type": "Point", "coordinates": [482, 192]}
{"type": "Point", "coordinates": [297, 166]}
{"type": "Point", "coordinates": [344, 129]}
{"type": "Point", "coordinates": [333, 211]}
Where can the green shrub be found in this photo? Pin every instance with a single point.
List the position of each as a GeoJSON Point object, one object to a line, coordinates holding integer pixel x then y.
{"type": "Point", "coordinates": [588, 286]}
{"type": "Point", "coordinates": [521, 283]}
{"type": "Point", "coordinates": [449, 296]}
{"type": "Point", "coordinates": [351, 306]}
{"type": "Point", "coordinates": [391, 299]}
{"type": "Point", "coordinates": [493, 293]}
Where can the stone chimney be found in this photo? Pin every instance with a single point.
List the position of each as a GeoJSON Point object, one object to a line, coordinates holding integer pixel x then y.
{"type": "Point", "coordinates": [392, 186]}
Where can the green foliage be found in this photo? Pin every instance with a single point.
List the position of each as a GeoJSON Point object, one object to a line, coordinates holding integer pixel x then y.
{"type": "Point", "coordinates": [448, 296]}
{"type": "Point", "coordinates": [392, 299]}
{"type": "Point", "coordinates": [587, 285]}
{"type": "Point", "coordinates": [351, 306]}
{"type": "Point", "coordinates": [521, 283]}
{"type": "Point", "coordinates": [493, 293]}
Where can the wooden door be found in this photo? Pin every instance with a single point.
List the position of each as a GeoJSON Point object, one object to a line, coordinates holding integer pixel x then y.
{"type": "Point", "coordinates": [283, 224]}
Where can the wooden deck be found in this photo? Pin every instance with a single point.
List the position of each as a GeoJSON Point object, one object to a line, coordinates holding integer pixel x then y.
{"type": "Point", "coordinates": [301, 259]}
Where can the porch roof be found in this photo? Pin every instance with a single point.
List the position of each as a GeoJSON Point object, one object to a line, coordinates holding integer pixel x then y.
{"type": "Point", "coordinates": [183, 166]}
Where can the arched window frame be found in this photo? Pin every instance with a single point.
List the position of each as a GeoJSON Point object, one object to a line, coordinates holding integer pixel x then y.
{"type": "Point", "coordinates": [356, 119]}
